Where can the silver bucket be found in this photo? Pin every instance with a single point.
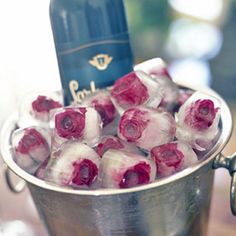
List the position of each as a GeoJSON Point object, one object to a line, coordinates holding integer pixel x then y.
{"type": "Point", "coordinates": [173, 206]}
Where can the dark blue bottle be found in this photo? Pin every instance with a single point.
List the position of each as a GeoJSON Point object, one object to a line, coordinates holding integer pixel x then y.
{"type": "Point", "coordinates": [92, 44]}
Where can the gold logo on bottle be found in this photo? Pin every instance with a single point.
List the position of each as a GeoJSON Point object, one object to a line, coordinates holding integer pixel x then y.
{"type": "Point", "coordinates": [101, 61]}
{"type": "Point", "coordinates": [79, 95]}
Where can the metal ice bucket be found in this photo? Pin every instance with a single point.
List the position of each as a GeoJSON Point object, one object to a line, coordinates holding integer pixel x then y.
{"type": "Point", "coordinates": [174, 206]}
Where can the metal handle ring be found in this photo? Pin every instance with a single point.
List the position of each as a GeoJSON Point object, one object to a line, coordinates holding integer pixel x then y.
{"type": "Point", "coordinates": [229, 163]}
{"type": "Point", "coordinates": [15, 188]}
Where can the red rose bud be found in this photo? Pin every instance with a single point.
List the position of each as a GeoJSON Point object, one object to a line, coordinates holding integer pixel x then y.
{"type": "Point", "coordinates": [43, 105]}
{"type": "Point", "coordinates": [75, 165]}
{"type": "Point", "coordinates": [155, 67]}
{"type": "Point", "coordinates": [103, 105]}
{"type": "Point", "coordinates": [136, 88]}
{"type": "Point", "coordinates": [35, 109]}
{"type": "Point", "coordinates": [111, 142]}
{"type": "Point", "coordinates": [146, 127]}
{"type": "Point", "coordinates": [121, 169]}
{"type": "Point", "coordinates": [76, 123]}
{"type": "Point", "coordinates": [31, 147]}
{"type": "Point", "coordinates": [198, 121]}
{"type": "Point", "coordinates": [172, 157]}
{"type": "Point", "coordinates": [70, 123]}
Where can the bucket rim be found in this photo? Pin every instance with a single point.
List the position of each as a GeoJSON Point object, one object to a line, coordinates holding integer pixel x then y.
{"type": "Point", "coordinates": [226, 130]}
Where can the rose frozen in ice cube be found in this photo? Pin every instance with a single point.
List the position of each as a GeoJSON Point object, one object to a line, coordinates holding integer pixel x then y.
{"type": "Point", "coordinates": [198, 121]}
{"type": "Point", "coordinates": [75, 165]}
{"type": "Point", "coordinates": [31, 147]}
{"type": "Point", "coordinates": [111, 142]}
{"type": "Point", "coordinates": [146, 127]}
{"type": "Point", "coordinates": [172, 157]}
{"type": "Point", "coordinates": [102, 103]}
{"type": "Point", "coordinates": [35, 108]}
{"type": "Point", "coordinates": [136, 88]}
{"type": "Point", "coordinates": [156, 68]}
{"type": "Point", "coordinates": [121, 169]}
{"type": "Point", "coordinates": [76, 123]}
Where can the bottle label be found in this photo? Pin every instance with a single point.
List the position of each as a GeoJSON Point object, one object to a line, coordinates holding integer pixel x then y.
{"type": "Point", "coordinates": [97, 64]}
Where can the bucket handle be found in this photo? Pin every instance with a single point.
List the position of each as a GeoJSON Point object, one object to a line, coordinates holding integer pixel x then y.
{"type": "Point", "coordinates": [228, 163]}
{"type": "Point", "coordinates": [15, 188]}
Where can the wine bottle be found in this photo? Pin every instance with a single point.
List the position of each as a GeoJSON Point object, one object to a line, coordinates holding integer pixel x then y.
{"type": "Point", "coordinates": [92, 44]}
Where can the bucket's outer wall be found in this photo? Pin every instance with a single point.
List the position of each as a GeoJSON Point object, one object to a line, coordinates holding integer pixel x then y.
{"type": "Point", "coordinates": [179, 208]}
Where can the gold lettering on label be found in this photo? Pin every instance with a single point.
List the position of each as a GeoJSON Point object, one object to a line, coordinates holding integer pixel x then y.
{"type": "Point", "coordinates": [101, 61]}
{"type": "Point", "coordinates": [78, 96]}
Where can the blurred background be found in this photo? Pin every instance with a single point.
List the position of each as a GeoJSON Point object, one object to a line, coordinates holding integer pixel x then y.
{"type": "Point", "coordinates": [197, 39]}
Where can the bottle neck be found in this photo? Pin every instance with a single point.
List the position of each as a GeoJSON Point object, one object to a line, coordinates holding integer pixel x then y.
{"type": "Point", "coordinates": [87, 19]}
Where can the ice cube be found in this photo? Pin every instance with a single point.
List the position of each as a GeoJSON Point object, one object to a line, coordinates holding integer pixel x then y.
{"type": "Point", "coordinates": [172, 157]}
{"type": "Point", "coordinates": [31, 147]}
{"type": "Point", "coordinates": [121, 169]}
{"type": "Point", "coordinates": [198, 121]}
{"type": "Point", "coordinates": [146, 127]}
{"type": "Point", "coordinates": [136, 88]}
{"type": "Point", "coordinates": [40, 173]}
{"type": "Point", "coordinates": [184, 95]}
{"type": "Point", "coordinates": [76, 123]}
{"type": "Point", "coordinates": [156, 69]}
{"type": "Point", "coordinates": [111, 142]}
{"type": "Point", "coordinates": [36, 106]}
{"type": "Point", "coordinates": [102, 103]}
{"type": "Point", "coordinates": [75, 164]}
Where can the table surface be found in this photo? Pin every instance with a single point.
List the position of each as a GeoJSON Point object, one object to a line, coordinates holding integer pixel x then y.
{"type": "Point", "coordinates": [222, 223]}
